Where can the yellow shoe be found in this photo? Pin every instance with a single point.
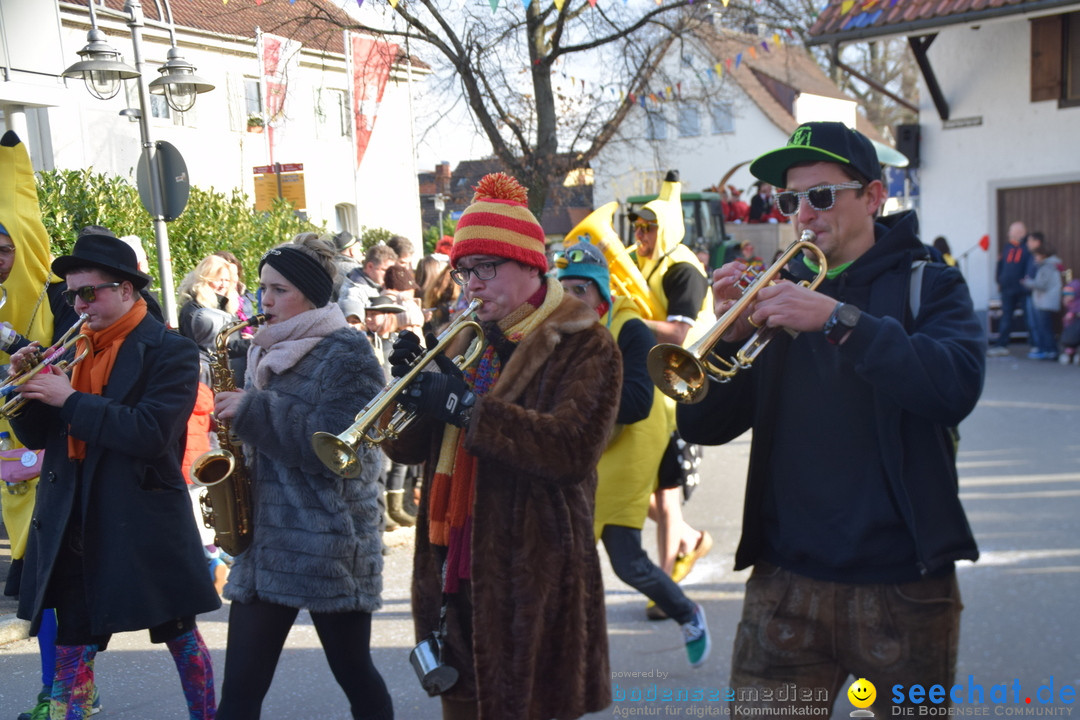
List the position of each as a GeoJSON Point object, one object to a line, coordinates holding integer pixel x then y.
{"type": "Point", "coordinates": [655, 612]}
{"type": "Point", "coordinates": [685, 563]}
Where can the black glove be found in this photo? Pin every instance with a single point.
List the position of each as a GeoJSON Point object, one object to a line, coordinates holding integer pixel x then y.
{"type": "Point", "coordinates": [444, 397]}
{"type": "Point", "coordinates": [407, 350]}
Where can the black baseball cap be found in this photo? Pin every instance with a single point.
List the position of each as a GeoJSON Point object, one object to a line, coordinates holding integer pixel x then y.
{"type": "Point", "coordinates": [819, 142]}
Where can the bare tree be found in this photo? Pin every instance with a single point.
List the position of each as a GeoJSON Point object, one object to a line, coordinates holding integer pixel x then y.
{"type": "Point", "coordinates": [549, 87]}
{"type": "Point", "coordinates": [512, 67]}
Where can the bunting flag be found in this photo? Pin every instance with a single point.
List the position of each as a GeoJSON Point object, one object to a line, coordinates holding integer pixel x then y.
{"type": "Point", "coordinates": [559, 4]}
{"type": "Point", "coordinates": [753, 52]}
{"type": "Point", "coordinates": [738, 60]}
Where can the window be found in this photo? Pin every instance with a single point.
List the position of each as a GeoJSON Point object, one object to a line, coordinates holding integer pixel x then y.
{"type": "Point", "coordinates": [346, 217]}
{"type": "Point", "coordinates": [1055, 59]}
{"type": "Point", "coordinates": [159, 107]}
{"type": "Point", "coordinates": [723, 119]}
{"type": "Point", "coordinates": [656, 125]}
{"type": "Point", "coordinates": [332, 113]}
{"type": "Point", "coordinates": [689, 121]}
{"type": "Point", "coordinates": [252, 97]}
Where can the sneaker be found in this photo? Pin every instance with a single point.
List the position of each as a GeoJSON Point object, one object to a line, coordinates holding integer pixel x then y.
{"type": "Point", "coordinates": [997, 351]}
{"type": "Point", "coordinates": [696, 636]}
{"type": "Point", "coordinates": [1065, 358]}
{"type": "Point", "coordinates": [685, 563]}
{"type": "Point", "coordinates": [95, 702]}
{"type": "Point", "coordinates": [39, 711]}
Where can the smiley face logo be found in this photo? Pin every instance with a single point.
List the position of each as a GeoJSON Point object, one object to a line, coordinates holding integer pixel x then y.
{"type": "Point", "coordinates": [862, 693]}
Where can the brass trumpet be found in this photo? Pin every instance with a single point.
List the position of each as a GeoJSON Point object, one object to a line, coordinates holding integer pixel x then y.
{"type": "Point", "coordinates": [681, 373]}
{"type": "Point", "coordinates": [339, 452]}
{"type": "Point", "coordinates": [51, 356]}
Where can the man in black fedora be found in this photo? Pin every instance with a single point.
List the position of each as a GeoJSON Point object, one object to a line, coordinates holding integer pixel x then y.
{"type": "Point", "coordinates": [113, 546]}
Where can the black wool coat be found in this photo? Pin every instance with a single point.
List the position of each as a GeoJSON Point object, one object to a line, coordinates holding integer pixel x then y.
{"type": "Point", "coordinates": [143, 558]}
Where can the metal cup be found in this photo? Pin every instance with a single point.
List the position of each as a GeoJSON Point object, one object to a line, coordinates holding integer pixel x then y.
{"type": "Point", "coordinates": [426, 659]}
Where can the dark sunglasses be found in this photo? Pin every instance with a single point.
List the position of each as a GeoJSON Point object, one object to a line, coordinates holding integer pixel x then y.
{"type": "Point", "coordinates": [821, 198]}
{"type": "Point", "coordinates": [644, 226]}
{"type": "Point", "coordinates": [88, 293]}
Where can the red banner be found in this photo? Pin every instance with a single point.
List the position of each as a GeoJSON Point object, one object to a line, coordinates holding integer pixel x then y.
{"type": "Point", "coordinates": [371, 63]}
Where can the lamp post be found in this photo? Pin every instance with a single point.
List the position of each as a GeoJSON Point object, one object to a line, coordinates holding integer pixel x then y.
{"type": "Point", "coordinates": [102, 71]}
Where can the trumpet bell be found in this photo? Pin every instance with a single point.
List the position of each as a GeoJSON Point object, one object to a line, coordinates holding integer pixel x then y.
{"type": "Point", "coordinates": [678, 373]}
{"type": "Point", "coordinates": [337, 454]}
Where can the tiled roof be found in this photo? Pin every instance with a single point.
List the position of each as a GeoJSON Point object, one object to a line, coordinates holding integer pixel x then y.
{"type": "Point", "coordinates": [789, 65]}
{"type": "Point", "coordinates": [316, 24]}
{"type": "Point", "coordinates": [850, 20]}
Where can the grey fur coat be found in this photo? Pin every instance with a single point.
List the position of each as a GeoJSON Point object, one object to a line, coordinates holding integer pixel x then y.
{"type": "Point", "coordinates": [316, 543]}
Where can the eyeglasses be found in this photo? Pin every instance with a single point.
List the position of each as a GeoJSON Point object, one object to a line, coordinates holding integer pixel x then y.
{"type": "Point", "coordinates": [482, 271]}
{"type": "Point", "coordinates": [821, 198]}
{"type": "Point", "coordinates": [580, 290]}
{"type": "Point", "coordinates": [643, 226]}
{"type": "Point", "coordinates": [87, 292]}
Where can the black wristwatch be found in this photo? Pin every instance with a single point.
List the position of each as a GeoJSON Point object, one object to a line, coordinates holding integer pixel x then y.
{"type": "Point", "coordinates": [841, 322]}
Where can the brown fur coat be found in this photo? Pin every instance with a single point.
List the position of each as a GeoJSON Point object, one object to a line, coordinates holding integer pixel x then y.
{"type": "Point", "coordinates": [538, 628]}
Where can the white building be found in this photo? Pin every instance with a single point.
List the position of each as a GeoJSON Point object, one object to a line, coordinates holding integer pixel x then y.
{"type": "Point", "coordinates": [999, 109]}
{"type": "Point", "coordinates": [65, 127]}
{"type": "Point", "coordinates": [724, 98]}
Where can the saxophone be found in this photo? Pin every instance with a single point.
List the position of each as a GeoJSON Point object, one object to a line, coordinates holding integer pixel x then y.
{"type": "Point", "coordinates": [226, 503]}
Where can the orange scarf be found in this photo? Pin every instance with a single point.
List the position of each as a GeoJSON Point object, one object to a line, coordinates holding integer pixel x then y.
{"type": "Point", "coordinates": [92, 374]}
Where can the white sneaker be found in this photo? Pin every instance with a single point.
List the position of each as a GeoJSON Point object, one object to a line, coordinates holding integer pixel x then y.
{"type": "Point", "coordinates": [1065, 359]}
{"type": "Point", "coordinates": [997, 351]}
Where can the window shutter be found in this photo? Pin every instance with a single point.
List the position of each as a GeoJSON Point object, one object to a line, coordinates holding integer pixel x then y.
{"type": "Point", "coordinates": [1046, 34]}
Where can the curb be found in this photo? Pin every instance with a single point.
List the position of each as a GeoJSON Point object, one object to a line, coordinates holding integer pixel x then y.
{"type": "Point", "coordinates": [12, 629]}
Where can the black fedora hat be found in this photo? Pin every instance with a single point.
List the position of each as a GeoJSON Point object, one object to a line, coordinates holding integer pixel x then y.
{"type": "Point", "coordinates": [98, 247]}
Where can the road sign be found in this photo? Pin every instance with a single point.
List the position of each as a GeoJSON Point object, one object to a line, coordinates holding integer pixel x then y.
{"type": "Point", "coordinates": [289, 186]}
{"type": "Point", "coordinates": [173, 177]}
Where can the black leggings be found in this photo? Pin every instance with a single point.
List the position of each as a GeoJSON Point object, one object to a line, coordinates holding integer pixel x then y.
{"type": "Point", "coordinates": [257, 633]}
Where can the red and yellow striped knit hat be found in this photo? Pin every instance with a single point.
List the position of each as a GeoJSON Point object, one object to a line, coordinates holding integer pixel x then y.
{"type": "Point", "coordinates": [499, 223]}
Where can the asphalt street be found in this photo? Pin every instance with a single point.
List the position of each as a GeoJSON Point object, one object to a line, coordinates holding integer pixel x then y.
{"type": "Point", "coordinates": [1020, 482]}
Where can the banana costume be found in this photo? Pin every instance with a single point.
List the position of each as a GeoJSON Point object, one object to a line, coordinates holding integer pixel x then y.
{"type": "Point", "coordinates": [27, 308]}
{"type": "Point", "coordinates": [670, 250]}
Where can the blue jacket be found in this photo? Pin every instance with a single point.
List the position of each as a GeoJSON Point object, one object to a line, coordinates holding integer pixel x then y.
{"type": "Point", "coordinates": [1014, 264]}
{"type": "Point", "coordinates": [906, 380]}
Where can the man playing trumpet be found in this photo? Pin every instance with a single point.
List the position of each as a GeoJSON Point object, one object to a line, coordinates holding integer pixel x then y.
{"type": "Point", "coordinates": [504, 542]}
{"type": "Point", "coordinates": [852, 520]}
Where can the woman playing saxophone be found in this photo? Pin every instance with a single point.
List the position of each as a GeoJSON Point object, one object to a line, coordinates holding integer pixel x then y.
{"type": "Point", "coordinates": [315, 542]}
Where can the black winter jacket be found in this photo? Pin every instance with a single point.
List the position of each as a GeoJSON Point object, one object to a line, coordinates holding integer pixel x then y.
{"type": "Point", "coordinates": [915, 377]}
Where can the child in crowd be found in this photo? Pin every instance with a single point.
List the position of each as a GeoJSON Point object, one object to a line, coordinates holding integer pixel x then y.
{"type": "Point", "coordinates": [1045, 290]}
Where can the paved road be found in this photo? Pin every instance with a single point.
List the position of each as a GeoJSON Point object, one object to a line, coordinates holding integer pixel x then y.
{"type": "Point", "coordinates": [1020, 474]}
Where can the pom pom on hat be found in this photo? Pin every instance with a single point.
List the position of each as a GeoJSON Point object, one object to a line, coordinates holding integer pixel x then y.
{"type": "Point", "coordinates": [498, 222]}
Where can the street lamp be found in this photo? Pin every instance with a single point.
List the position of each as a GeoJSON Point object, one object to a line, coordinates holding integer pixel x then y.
{"type": "Point", "coordinates": [102, 71]}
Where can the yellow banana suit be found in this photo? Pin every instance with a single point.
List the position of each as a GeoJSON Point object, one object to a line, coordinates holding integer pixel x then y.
{"type": "Point", "coordinates": [27, 309]}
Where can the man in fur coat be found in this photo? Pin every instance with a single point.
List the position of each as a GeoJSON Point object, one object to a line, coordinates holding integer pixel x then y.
{"type": "Point", "coordinates": [504, 535]}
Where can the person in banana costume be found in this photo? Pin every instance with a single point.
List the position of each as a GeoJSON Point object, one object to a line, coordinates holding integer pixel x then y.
{"type": "Point", "coordinates": [26, 317]}
{"type": "Point", "coordinates": [678, 283]}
